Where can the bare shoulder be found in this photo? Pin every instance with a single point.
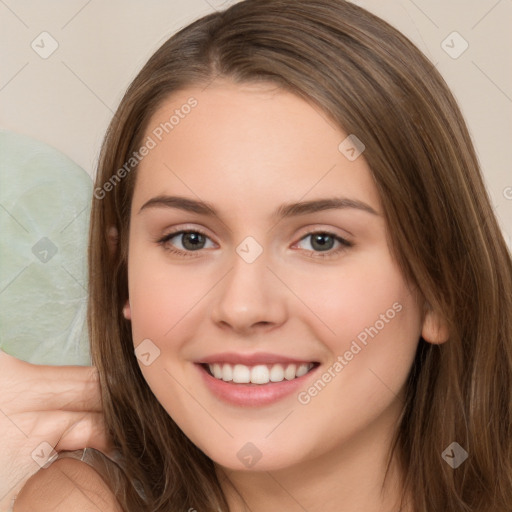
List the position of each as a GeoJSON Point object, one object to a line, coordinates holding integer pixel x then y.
{"type": "Point", "coordinates": [68, 485]}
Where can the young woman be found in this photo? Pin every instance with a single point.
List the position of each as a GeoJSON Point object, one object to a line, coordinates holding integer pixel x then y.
{"type": "Point", "coordinates": [300, 298]}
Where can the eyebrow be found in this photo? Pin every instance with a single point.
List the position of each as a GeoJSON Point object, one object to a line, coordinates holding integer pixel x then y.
{"type": "Point", "coordinates": [284, 211]}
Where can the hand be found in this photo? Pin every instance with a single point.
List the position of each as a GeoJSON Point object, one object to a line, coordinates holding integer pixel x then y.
{"type": "Point", "coordinates": [44, 407]}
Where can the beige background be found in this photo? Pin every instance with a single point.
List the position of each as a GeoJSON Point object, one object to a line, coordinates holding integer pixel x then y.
{"type": "Point", "coordinates": [68, 98]}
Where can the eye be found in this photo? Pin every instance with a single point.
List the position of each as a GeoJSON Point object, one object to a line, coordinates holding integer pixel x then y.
{"type": "Point", "coordinates": [190, 240]}
{"type": "Point", "coordinates": [322, 243]}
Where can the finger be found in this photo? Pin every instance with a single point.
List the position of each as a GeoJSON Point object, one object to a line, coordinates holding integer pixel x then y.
{"type": "Point", "coordinates": [68, 388]}
{"type": "Point", "coordinates": [86, 431]}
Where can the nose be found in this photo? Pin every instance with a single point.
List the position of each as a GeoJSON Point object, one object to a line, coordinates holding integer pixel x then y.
{"type": "Point", "coordinates": [250, 298]}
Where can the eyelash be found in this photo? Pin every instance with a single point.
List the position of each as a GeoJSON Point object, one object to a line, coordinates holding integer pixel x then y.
{"type": "Point", "coordinates": [345, 244]}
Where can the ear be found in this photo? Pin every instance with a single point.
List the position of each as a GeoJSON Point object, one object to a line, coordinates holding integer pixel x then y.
{"type": "Point", "coordinates": [127, 312]}
{"type": "Point", "coordinates": [435, 329]}
{"type": "Point", "coordinates": [113, 239]}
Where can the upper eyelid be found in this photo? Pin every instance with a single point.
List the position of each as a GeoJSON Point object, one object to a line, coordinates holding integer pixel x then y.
{"type": "Point", "coordinates": [319, 229]}
{"type": "Point", "coordinates": [183, 230]}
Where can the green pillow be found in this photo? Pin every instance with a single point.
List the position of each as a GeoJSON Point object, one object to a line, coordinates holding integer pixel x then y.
{"type": "Point", "coordinates": [44, 220]}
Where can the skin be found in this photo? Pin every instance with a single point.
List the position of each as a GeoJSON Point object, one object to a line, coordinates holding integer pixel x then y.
{"type": "Point", "coordinates": [247, 150]}
{"type": "Point", "coordinates": [44, 406]}
{"type": "Point", "coordinates": [67, 484]}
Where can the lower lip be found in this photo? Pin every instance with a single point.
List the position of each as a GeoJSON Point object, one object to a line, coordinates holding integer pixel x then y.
{"type": "Point", "coordinates": [253, 395]}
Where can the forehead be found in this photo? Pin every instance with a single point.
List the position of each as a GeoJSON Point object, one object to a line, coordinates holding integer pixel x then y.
{"type": "Point", "coordinates": [234, 143]}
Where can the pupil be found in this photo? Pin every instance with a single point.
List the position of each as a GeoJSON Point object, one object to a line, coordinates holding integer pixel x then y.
{"type": "Point", "coordinates": [317, 239]}
{"type": "Point", "coordinates": [194, 239]}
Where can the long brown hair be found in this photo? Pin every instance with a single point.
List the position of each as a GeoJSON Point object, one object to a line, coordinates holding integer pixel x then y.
{"type": "Point", "coordinates": [371, 81]}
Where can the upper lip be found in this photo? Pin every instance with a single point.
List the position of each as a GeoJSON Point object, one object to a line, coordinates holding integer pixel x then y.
{"type": "Point", "coordinates": [251, 359]}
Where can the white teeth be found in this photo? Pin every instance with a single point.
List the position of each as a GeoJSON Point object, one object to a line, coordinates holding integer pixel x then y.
{"type": "Point", "coordinates": [302, 370]}
{"type": "Point", "coordinates": [216, 369]}
{"type": "Point", "coordinates": [276, 373]}
{"type": "Point", "coordinates": [258, 374]}
{"type": "Point", "coordinates": [289, 372]}
{"type": "Point", "coordinates": [227, 372]}
{"type": "Point", "coordinates": [241, 374]}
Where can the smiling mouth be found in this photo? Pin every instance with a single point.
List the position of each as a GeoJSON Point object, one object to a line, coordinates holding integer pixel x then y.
{"type": "Point", "coordinates": [258, 374]}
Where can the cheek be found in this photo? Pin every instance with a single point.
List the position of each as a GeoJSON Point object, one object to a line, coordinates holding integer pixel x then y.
{"type": "Point", "coordinates": [165, 302]}
{"type": "Point", "coordinates": [370, 322]}
{"type": "Point", "coordinates": [378, 337]}
{"type": "Point", "coordinates": [161, 299]}
{"type": "Point", "coordinates": [350, 299]}
{"type": "Point", "coordinates": [161, 295]}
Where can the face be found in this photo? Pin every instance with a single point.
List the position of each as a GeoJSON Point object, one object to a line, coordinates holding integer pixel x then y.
{"type": "Point", "coordinates": [300, 313]}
